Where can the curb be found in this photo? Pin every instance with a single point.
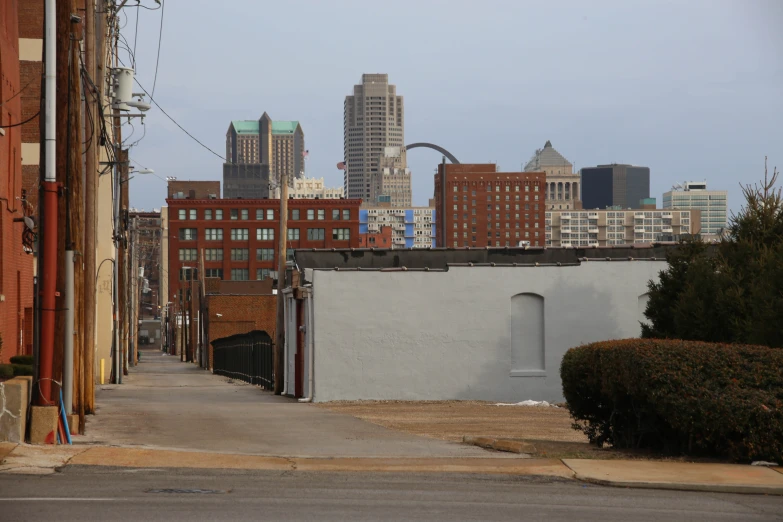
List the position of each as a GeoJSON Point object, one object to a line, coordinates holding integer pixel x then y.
{"type": "Point", "coordinates": [673, 486]}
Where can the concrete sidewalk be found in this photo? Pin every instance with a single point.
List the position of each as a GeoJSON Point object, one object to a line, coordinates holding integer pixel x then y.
{"type": "Point", "coordinates": [719, 478]}
{"type": "Point", "coordinates": [168, 404]}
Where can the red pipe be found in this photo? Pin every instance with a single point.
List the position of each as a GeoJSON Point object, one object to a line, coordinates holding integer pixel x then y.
{"type": "Point", "coordinates": [51, 192]}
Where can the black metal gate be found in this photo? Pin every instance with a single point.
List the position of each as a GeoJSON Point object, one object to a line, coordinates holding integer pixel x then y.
{"type": "Point", "coordinates": [246, 357]}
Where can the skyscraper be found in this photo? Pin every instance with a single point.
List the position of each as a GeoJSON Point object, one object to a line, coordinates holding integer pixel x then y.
{"type": "Point", "coordinates": [277, 145]}
{"type": "Point", "coordinates": [373, 119]}
{"type": "Point", "coordinates": [615, 185]}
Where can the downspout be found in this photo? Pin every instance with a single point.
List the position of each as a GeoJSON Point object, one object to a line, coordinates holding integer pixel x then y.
{"type": "Point", "coordinates": [310, 334]}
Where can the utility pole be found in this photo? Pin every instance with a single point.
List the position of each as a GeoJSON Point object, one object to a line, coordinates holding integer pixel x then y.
{"type": "Point", "coordinates": [279, 355]}
{"type": "Point", "coordinates": [90, 182]}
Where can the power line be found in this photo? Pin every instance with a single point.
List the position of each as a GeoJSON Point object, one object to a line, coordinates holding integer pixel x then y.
{"type": "Point", "coordinates": [20, 91]}
{"type": "Point", "coordinates": [28, 120]}
{"type": "Point", "coordinates": [160, 37]}
{"type": "Point", "coordinates": [176, 123]}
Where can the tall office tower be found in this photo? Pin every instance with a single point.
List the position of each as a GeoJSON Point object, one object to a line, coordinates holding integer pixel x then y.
{"type": "Point", "coordinates": [712, 203]}
{"type": "Point", "coordinates": [562, 185]}
{"type": "Point", "coordinates": [615, 185]}
{"type": "Point", "coordinates": [277, 144]}
{"type": "Point", "coordinates": [373, 119]}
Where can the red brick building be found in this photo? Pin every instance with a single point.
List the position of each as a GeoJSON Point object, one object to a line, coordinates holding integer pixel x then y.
{"type": "Point", "coordinates": [239, 237]}
{"type": "Point", "coordinates": [380, 239]}
{"type": "Point", "coordinates": [484, 208]}
{"type": "Point", "coordinates": [16, 263]}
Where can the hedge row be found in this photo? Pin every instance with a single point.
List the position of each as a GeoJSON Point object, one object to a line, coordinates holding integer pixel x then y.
{"type": "Point", "coordinates": [680, 397]}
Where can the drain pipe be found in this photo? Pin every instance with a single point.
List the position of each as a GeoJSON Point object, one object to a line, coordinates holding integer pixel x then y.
{"type": "Point", "coordinates": [310, 334]}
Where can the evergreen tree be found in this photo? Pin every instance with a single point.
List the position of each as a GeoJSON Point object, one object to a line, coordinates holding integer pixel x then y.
{"type": "Point", "coordinates": [732, 292]}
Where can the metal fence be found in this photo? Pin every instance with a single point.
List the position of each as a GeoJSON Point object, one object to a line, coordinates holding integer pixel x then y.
{"type": "Point", "coordinates": [247, 357]}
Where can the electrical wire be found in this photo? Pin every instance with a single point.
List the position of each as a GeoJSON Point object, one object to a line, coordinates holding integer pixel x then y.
{"type": "Point", "coordinates": [136, 37]}
{"type": "Point", "coordinates": [160, 37]}
{"type": "Point", "coordinates": [28, 120]}
{"type": "Point", "coordinates": [177, 124]}
{"type": "Point", "coordinates": [20, 91]}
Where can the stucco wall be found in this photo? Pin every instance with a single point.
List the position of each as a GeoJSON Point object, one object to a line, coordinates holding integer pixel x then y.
{"type": "Point", "coordinates": [447, 335]}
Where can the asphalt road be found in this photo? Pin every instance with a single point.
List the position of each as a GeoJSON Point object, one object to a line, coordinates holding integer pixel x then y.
{"type": "Point", "coordinates": [85, 494]}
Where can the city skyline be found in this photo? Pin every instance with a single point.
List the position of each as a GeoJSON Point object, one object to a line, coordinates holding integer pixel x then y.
{"type": "Point", "coordinates": [695, 108]}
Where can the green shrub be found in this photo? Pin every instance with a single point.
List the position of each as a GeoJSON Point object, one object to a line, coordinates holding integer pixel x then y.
{"type": "Point", "coordinates": [678, 396]}
{"type": "Point", "coordinates": [22, 369]}
{"type": "Point", "coordinates": [22, 359]}
{"type": "Point", "coordinates": [6, 371]}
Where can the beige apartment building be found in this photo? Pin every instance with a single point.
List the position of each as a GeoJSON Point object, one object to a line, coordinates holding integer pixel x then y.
{"type": "Point", "coordinates": [562, 185]}
{"type": "Point", "coordinates": [310, 188]}
{"type": "Point", "coordinates": [373, 118]}
{"type": "Point", "coordinates": [586, 228]}
{"type": "Point", "coordinates": [392, 183]}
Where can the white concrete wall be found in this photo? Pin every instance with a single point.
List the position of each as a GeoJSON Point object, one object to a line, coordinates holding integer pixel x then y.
{"type": "Point", "coordinates": [447, 335]}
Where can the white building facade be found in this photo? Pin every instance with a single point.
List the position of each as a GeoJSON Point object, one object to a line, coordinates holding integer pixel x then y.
{"type": "Point", "coordinates": [588, 228]}
{"type": "Point", "coordinates": [310, 188]}
{"type": "Point", "coordinates": [713, 205]}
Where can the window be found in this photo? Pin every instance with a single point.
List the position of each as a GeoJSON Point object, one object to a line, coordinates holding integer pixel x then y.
{"type": "Point", "coordinates": [346, 214]}
{"type": "Point", "coordinates": [214, 234]}
{"type": "Point", "coordinates": [295, 214]}
{"type": "Point", "coordinates": [262, 273]}
{"type": "Point", "coordinates": [239, 254]}
{"type": "Point", "coordinates": [239, 234]}
{"type": "Point", "coordinates": [219, 214]}
{"type": "Point", "coordinates": [315, 234]}
{"type": "Point", "coordinates": [188, 234]}
{"type": "Point", "coordinates": [188, 254]}
{"type": "Point", "coordinates": [265, 234]}
{"type": "Point", "coordinates": [455, 188]}
{"type": "Point", "coordinates": [183, 214]}
{"type": "Point", "coordinates": [193, 214]}
{"type": "Point", "coordinates": [321, 214]}
{"type": "Point", "coordinates": [243, 214]}
{"type": "Point", "coordinates": [239, 274]}
{"type": "Point", "coordinates": [265, 254]}
{"type": "Point", "coordinates": [187, 273]}
{"type": "Point", "coordinates": [310, 214]}
{"type": "Point", "coordinates": [335, 214]}
{"type": "Point", "coordinates": [213, 254]}
{"type": "Point", "coordinates": [341, 234]}
{"type": "Point", "coordinates": [270, 214]}
{"type": "Point", "coordinates": [293, 234]}
{"type": "Point", "coordinates": [234, 213]}
{"type": "Point", "coordinates": [208, 214]}
{"type": "Point", "coordinates": [215, 272]}
{"type": "Point", "coordinates": [260, 214]}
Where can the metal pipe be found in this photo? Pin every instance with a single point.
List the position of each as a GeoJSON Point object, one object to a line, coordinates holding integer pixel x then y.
{"type": "Point", "coordinates": [310, 332]}
{"type": "Point", "coordinates": [50, 192]}
{"type": "Point", "coordinates": [67, 388]}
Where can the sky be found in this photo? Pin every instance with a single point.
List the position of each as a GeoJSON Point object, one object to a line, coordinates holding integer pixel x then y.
{"type": "Point", "coordinates": [693, 90]}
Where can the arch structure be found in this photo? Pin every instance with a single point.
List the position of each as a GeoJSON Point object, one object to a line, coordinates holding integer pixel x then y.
{"type": "Point", "coordinates": [432, 146]}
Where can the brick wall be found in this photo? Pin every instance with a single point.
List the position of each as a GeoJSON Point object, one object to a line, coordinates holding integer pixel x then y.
{"type": "Point", "coordinates": [488, 208]}
{"type": "Point", "coordinates": [16, 266]}
{"type": "Point", "coordinates": [240, 314]}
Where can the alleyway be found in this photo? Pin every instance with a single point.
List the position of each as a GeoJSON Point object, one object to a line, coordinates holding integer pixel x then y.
{"type": "Point", "coordinates": [165, 403]}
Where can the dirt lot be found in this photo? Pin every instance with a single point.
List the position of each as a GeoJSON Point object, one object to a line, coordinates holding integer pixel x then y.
{"type": "Point", "coordinates": [547, 429]}
{"type": "Point", "coordinates": [451, 420]}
